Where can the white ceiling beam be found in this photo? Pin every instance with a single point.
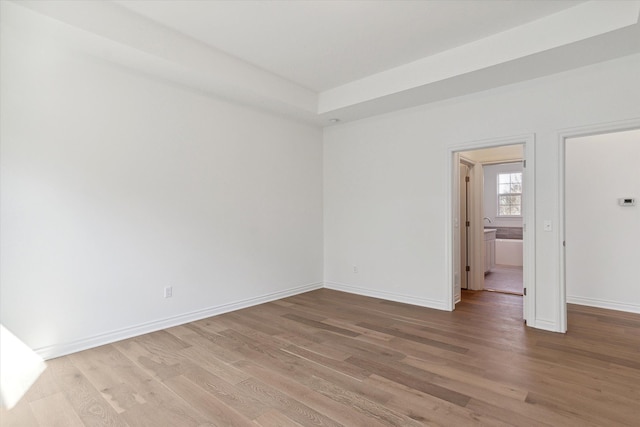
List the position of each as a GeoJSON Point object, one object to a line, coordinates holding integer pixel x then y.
{"type": "Point", "coordinates": [578, 23]}
{"type": "Point", "coordinates": [114, 33]}
{"type": "Point", "coordinates": [588, 33]}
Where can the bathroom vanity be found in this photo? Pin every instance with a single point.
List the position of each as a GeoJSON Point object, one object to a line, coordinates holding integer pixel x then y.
{"type": "Point", "coordinates": [489, 249]}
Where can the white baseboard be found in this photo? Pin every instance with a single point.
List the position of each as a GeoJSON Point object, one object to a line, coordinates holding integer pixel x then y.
{"type": "Point", "coordinates": [422, 302]}
{"type": "Point", "coordinates": [600, 303]}
{"type": "Point", "coordinates": [62, 349]}
{"type": "Point", "coordinates": [545, 325]}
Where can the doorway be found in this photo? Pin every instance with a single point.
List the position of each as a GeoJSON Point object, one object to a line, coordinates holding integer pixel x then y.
{"type": "Point", "coordinates": [591, 192]}
{"type": "Point", "coordinates": [469, 260]}
{"type": "Point", "coordinates": [503, 219]}
{"type": "Point", "coordinates": [491, 195]}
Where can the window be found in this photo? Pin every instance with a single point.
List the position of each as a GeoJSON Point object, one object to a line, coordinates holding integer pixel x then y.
{"type": "Point", "coordinates": [510, 194]}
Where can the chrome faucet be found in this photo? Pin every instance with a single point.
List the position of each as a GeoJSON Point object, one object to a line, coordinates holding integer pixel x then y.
{"type": "Point", "coordinates": [488, 219]}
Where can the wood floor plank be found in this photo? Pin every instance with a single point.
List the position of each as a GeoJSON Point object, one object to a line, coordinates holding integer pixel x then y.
{"type": "Point", "coordinates": [106, 366]}
{"type": "Point", "coordinates": [340, 366]}
{"type": "Point", "coordinates": [320, 325]}
{"type": "Point", "coordinates": [214, 410]}
{"type": "Point", "coordinates": [413, 337]}
{"type": "Point", "coordinates": [212, 342]}
{"type": "Point", "coordinates": [19, 415]}
{"type": "Point", "coordinates": [159, 365]}
{"type": "Point", "coordinates": [304, 392]}
{"type": "Point", "coordinates": [608, 358]}
{"type": "Point", "coordinates": [304, 371]}
{"type": "Point", "coordinates": [466, 382]}
{"type": "Point", "coordinates": [121, 383]}
{"type": "Point", "coordinates": [55, 411]}
{"type": "Point", "coordinates": [132, 391]}
{"type": "Point", "coordinates": [233, 395]}
{"type": "Point", "coordinates": [162, 407]}
{"type": "Point", "coordinates": [423, 407]}
{"type": "Point", "coordinates": [286, 362]}
{"type": "Point", "coordinates": [275, 419]}
{"type": "Point", "coordinates": [207, 360]}
{"type": "Point", "coordinates": [352, 326]}
{"type": "Point", "coordinates": [148, 415]}
{"type": "Point", "coordinates": [326, 358]}
{"type": "Point", "coordinates": [289, 406]}
{"type": "Point", "coordinates": [356, 401]}
{"type": "Point", "coordinates": [87, 402]}
{"type": "Point", "coordinates": [416, 382]}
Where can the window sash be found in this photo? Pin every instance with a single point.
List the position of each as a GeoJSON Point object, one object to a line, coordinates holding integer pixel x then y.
{"type": "Point", "coordinates": [510, 194]}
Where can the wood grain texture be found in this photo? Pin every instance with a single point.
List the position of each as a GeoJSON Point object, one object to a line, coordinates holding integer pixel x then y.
{"type": "Point", "coordinates": [326, 358]}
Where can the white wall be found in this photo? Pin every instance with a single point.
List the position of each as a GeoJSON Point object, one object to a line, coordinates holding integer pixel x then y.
{"type": "Point", "coordinates": [386, 180]}
{"type": "Point", "coordinates": [115, 185]}
{"type": "Point", "coordinates": [491, 194]}
{"type": "Point", "coordinates": [603, 238]}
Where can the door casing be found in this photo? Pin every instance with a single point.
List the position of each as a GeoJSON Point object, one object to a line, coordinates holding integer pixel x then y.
{"type": "Point", "coordinates": [453, 161]}
{"type": "Point", "coordinates": [563, 135]}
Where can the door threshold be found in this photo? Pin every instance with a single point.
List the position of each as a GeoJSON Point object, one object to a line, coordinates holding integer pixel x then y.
{"type": "Point", "coordinates": [503, 292]}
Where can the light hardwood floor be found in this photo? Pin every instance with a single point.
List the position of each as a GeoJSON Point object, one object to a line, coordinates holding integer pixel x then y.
{"type": "Point", "coordinates": [327, 358]}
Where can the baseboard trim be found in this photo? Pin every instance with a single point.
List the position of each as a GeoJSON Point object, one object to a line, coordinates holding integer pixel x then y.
{"type": "Point", "coordinates": [545, 325]}
{"type": "Point", "coordinates": [62, 349]}
{"type": "Point", "coordinates": [600, 303]}
{"type": "Point", "coordinates": [390, 296]}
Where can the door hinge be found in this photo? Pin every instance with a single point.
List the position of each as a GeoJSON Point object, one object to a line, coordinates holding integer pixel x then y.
{"type": "Point", "coordinates": [467, 223]}
{"type": "Point", "coordinates": [466, 179]}
{"type": "Point", "coordinates": [467, 268]}
{"type": "Point", "coordinates": [525, 291]}
{"type": "Point", "coordinates": [564, 243]}
{"type": "Point", "coordinates": [524, 163]}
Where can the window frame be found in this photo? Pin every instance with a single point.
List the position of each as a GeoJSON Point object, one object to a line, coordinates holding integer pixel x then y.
{"type": "Point", "coordinates": [498, 194]}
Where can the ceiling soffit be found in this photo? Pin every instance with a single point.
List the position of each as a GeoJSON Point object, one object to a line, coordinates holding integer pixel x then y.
{"type": "Point", "coordinates": [584, 34]}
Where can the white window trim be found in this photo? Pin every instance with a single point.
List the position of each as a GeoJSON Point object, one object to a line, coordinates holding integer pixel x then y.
{"type": "Point", "coordinates": [506, 194]}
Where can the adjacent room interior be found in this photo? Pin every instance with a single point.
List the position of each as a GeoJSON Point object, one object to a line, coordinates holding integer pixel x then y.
{"type": "Point", "coordinates": [255, 213]}
{"type": "Point", "coordinates": [491, 211]}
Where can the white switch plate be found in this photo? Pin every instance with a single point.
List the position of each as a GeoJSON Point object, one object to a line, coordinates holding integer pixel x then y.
{"type": "Point", "coordinates": [168, 292]}
{"type": "Point", "coordinates": [548, 225]}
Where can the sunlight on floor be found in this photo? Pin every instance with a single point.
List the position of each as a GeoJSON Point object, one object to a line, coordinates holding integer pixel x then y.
{"type": "Point", "coordinates": [20, 367]}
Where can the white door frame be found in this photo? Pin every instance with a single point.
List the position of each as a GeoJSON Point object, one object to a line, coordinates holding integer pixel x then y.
{"type": "Point", "coordinates": [563, 135]}
{"type": "Point", "coordinates": [529, 231]}
{"type": "Point", "coordinates": [475, 237]}
{"type": "Point", "coordinates": [464, 232]}
{"type": "Point", "coordinates": [475, 231]}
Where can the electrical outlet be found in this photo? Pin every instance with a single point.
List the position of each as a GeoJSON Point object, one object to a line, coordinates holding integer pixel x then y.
{"type": "Point", "coordinates": [168, 291]}
{"type": "Point", "coordinates": [355, 268]}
